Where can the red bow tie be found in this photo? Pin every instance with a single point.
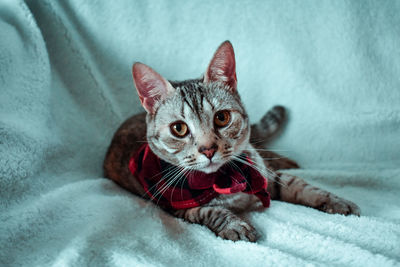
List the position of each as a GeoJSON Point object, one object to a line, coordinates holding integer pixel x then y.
{"type": "Point", "coordinates": [194, 188]}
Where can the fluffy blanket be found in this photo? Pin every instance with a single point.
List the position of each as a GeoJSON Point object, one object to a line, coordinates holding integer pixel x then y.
{"type": "Point", "coordinates": [65, 86]}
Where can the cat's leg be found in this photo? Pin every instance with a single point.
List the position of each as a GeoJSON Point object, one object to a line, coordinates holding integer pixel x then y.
{"type": "Point", "coordinates": [223, 222]}
{"type": "Point", "coordinates": [237, 203]}
{"type": "Point", "coordinates": [290, 188]}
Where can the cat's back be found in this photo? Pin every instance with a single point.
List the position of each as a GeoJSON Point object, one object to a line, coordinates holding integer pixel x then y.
{"type": "Point", "coordinates": [126, 141]}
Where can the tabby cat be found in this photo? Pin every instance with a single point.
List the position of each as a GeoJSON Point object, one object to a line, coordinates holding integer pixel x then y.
{"type": "Point", "coordinates": [195, 154]}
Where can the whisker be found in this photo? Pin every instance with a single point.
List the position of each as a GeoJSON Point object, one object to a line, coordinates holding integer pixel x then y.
{"type": "Point", "coordinates": [163, 178]}
{"type": "Point", "coordinates": [257, 141]}
{"type": "Point", "coordinates": [170, 176]}
{"type": "Point", "coordinates": [259, 169]}
{"type": "Point", "coordinates": [269, 150]}
{"type": "Point", "coordinates": [231, 163]}
{"type": "Point", "coordinates": [171, 171]}
{"type": "Point", "coordinates": [189, 172]}
{"type": "Point", "coordinates": [167, 185]}
{"type": "Point", "coordinates": [174, 178]}
{"type": "Point", "coordinates": [243, 160]}
{"type": "Point", "coordinates": [180, 175]}
{"type": "Point", "coordinates": [273, 158]}
{"type": "Point", "coordinates": [177, 179]}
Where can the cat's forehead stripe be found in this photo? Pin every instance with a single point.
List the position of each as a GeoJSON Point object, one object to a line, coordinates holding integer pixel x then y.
{"type": "Point", "coordinates": [210, 103]}
{"type": "Point", "coordinates": [185, 98]}
{"type": "Point", "coordinates": [191, 96]}
{"type": "Point", "coordinates": [182, 105]}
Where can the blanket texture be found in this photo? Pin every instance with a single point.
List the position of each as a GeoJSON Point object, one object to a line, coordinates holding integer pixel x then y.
{"type": "Point", "coordinates": [65, 86]}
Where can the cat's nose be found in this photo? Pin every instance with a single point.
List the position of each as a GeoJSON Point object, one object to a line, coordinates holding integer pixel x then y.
{"type": "Point", "coordinates": [208, 151]}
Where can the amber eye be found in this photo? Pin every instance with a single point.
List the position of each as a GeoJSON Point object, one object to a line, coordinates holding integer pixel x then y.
{"type": "Point", "coordinates": [222, 118]}
{"type": "Point", "coordinates": [179, 129]}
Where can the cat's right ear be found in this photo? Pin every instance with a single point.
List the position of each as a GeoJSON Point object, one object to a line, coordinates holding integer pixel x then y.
{"type": "Point", "coordinates": [150, 85]}
{"type": "Point", "coordinates": [222, 67]}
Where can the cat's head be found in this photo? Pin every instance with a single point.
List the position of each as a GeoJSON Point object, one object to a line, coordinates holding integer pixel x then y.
{"type": "Point", "coordinates": [196, 124]}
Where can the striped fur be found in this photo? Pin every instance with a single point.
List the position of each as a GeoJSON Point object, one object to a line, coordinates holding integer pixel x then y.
{"type": "Point", "coordinates": [221, 221]}
{"type": "Point", "coordinates": [195, 102]}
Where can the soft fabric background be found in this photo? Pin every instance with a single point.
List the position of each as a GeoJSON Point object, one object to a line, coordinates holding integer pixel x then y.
{"type": "Point", "coordinates": [65, 86]}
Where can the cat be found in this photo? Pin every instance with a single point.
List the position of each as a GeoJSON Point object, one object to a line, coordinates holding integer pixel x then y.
{"type": "Point", "coordinates": [197, 129]}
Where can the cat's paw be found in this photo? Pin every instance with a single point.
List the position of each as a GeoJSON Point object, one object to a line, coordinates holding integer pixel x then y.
{"type": "Point", "coordinates": [238, 230]}
{"type": "Point", "coordinates": [335, 204]}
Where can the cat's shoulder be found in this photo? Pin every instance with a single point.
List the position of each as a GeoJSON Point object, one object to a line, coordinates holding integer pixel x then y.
{"type": "Point", "coordinates": [135, 122]}
{"type": "Point", "coordinates": [131, 134]}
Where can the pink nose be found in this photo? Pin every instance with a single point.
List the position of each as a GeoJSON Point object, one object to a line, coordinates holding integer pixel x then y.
{"type": "Point", "coordinates": [208, 151]}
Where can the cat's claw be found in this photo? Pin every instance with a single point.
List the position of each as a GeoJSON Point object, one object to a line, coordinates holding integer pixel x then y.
{"type": "Point", "coordinates": [337, 205]}
{"type": "Point", "coordinates": [238, 230]}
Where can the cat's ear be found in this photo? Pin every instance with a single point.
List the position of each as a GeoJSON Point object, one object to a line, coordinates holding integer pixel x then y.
{"type": "Point", "coordinates": [150, 85]}
{"type": "Point", "coordinates": [222, 67]}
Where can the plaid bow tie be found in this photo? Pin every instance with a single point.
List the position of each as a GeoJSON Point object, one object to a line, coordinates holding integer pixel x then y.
{"type": "Point", "coordinates": [194, 188]}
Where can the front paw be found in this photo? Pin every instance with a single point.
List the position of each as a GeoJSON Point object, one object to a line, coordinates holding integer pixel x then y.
{"type": "Point", "coordinates": [334, 204]}
{"type": "Point", "coordinates": [238, 230]}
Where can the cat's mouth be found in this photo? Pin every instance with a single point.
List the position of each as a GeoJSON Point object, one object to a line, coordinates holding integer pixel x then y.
{"type": "Point", "coordinates": [211, 167]}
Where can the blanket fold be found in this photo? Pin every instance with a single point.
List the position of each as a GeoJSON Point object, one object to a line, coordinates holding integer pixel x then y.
{"type": "Point", "coordinates": [66, 86]}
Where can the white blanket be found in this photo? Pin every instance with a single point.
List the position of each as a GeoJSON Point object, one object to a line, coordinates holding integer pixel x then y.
{"type": "Point", "coordinates": [65, 86]}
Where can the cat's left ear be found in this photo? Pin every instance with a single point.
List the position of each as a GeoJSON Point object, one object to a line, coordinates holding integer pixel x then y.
{"type": "Point", "coordinates": [150, 85]}
{"type": "Point", "coordinates": [222, 67]}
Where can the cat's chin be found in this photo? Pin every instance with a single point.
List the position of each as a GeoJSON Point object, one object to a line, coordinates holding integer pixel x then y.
{"type": "Point", "coordinates": [211, 167]}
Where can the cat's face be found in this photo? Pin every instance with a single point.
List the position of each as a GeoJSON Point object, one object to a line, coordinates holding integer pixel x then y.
{"type": "Point", "coordinates": [198, 124]}
{"type": "Point", "coordinates": [199, 127]}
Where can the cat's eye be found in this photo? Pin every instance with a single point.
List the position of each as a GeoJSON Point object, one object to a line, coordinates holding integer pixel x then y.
{"type": "Point", "coordinates": [222, 118]}
{"type": "Point", "coordinates": [179, 129]}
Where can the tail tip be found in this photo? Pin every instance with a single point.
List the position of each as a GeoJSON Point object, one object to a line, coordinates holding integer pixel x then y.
{"type": "Point", "coordinates": [281, 110]}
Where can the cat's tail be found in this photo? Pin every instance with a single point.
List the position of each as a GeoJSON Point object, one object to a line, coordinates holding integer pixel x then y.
{"type": "Point", "coordinates": [268, 126]}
